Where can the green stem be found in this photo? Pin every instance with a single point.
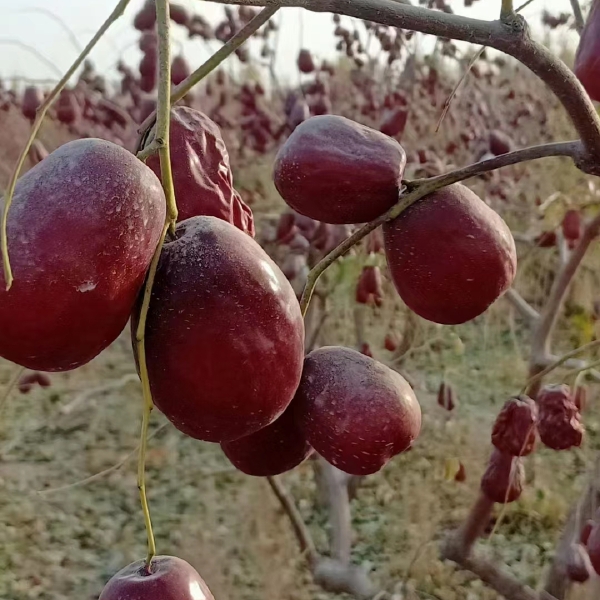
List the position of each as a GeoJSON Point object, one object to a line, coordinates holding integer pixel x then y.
{"type": "Point", "coordinates": [140, 338]}
{"type": "Point", "coordinates": [506, 9]}
{"type": "Point", "coordinates": [41, 113]}
{"type": "Point", "coordinates": [215, 60]}
{"type": "Point", "coordinates": [161, 137]}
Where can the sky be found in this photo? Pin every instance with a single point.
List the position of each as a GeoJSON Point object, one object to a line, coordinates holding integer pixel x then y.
{"type": "Point", "coordinates": [25, 28]}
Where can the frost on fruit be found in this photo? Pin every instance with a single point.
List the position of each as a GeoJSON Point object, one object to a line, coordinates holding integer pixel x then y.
{"type": "Point", "coordinates": [202, 175]}
{"type": "Point", "coordinates": [335, 170]}
{"type": "Point", "coordinates": [355, 412]}
{"type": "Point", "coordinates": [514, 431]}
{"type": "Point", "coordinates": [89, 210]}
{"type": "Point", "coordinates": [450, 255]}
{"type": "Point", "coordinates": [559, 423]}
{"type": "Point", "coordinates": [238, 328]}
{"type": "Point", "coordinates": [504, 478]}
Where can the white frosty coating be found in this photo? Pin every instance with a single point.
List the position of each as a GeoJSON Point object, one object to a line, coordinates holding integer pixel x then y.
{"type": "Point", "coordinates": [81, 233]}
{"type": "Point", "coordinates": [88, 286]}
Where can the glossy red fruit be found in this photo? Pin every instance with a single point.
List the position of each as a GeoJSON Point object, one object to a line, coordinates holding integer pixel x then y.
{"type": "Point", "coordinates": [201, 173]}
{"type": "Point", "coordinates": [306, 64]}
{"type": "Point", "coordinates": [225, 342]}
{"type": "Point", "coordinates": [180, 69]}
{"type": "Point", "coordinates": [559, 422]}
{"type": "Point", "coordinates": [32, 99]}
{"type": "Point", "coordinates": [275, 449]}
{"type": "Point", "coordinates": [369, 288]}
{"type": "Point", "coordinates": [578, 565]}
{"type": "Point", "coordinates": [504, 478]}
{"type": "Point", "coordinates": [356, 412]}
{"type": "Point", "coordinates": [337, 171]}
{"type": "Point", "coordinates": [81, 234]}
{"type": "Point", "coordinates": [587, 58]}
{"type": "Point", "coordinates": [514, 431]}
{"type": "Point", "coordinates": [500, 143]}
{"type": "Point", "coordinates": [169, 578]}
{"type": "Point", "coordinates": [480, 259]}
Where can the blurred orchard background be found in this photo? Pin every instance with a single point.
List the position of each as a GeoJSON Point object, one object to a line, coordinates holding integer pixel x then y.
{"type": "Point", "coordinates": [69, 508]}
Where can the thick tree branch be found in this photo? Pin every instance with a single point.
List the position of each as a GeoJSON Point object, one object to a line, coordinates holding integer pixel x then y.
{"type": "Point", "coordinates": [549, 315]}
{"type": "Point", "coordinates": [511, 38]}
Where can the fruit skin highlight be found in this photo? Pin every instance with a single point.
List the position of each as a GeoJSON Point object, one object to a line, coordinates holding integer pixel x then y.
{"type": "Point", "coordinates": [338, 171]}
{"type": "Point", "coordinates": [82, 230]}
{"type": "Point", "coordinates": [450, 255]}
{"type": "Point", "coordinates": [356, 412]}
{"type": "Point", "coordinates": [170, 578]}
{"type": "Point", "coordinates": [224, 333]}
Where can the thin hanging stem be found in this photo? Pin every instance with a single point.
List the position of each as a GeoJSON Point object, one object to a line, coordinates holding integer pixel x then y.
{"type": "Point", "coordinates": [41, 113]}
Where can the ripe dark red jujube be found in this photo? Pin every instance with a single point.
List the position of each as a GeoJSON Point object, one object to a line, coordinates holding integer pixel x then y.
{"type": "Point", "coordinates": [82, 230]}
{"type": "Point", "coordinates": [356, 412]}
{"type": "Point", "coordinates": [450, 255]}
{"type": "Point", "coordinates": [224, 335]}
{"type": "Point", "coordinates": [514, 431]}
{"type": "Point", "coordinates": [275, 449]}
{"type": "Point", "coordinates": [169, 578]}
{"type": "Point", "coordinates": [504, 478]}
{"type": "Point", "coordinates": [335, 170]}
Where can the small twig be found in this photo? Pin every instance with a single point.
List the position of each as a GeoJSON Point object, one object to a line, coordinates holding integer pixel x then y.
{"type": "Point", "coordinates": [102, 389]}
{"type": "Point", "coordinates": [579, 20]}
{"type": "Point", "coordinates": [41, 113]}
{"type": "Point", "coordinates": [307, 545]}
{"type": "Point", "coordinates": [10, 386]}
{"type": "Point", "coordinates": [526, 310]}
{"type": "Point", "coordinates": [32, 50]}
{"type": "Point", "coordinates": [423, 187]}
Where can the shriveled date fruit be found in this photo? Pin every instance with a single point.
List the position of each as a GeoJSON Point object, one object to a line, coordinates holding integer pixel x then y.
{"type": "Point", "coordinates": [276, 448]}
{"type": "Point", "coordinates": [445, 397]}
{"type": "Point", "coordinates": [355, 412]}
{"type": "Point", "coordinates": [514, 430]}
{"type": "Point", "coordinates": [450, 255]}
{"type": "Point", "coordinates": [338, 171]}
{"type": "Point", "coordinates": [587, 58]}
{"type": "Point", "coordinates": [167, 578]}
{"type": "Point", "coordinates": [224, 335]}
{"type": "Point", "coordinates": [82, 230]}
{"type": "Point", "coordinates": [504, 478]}
{"type": "Point", "coordinates": [559, 422]}
{"type": "Point", "coordinates": [201, 173]}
